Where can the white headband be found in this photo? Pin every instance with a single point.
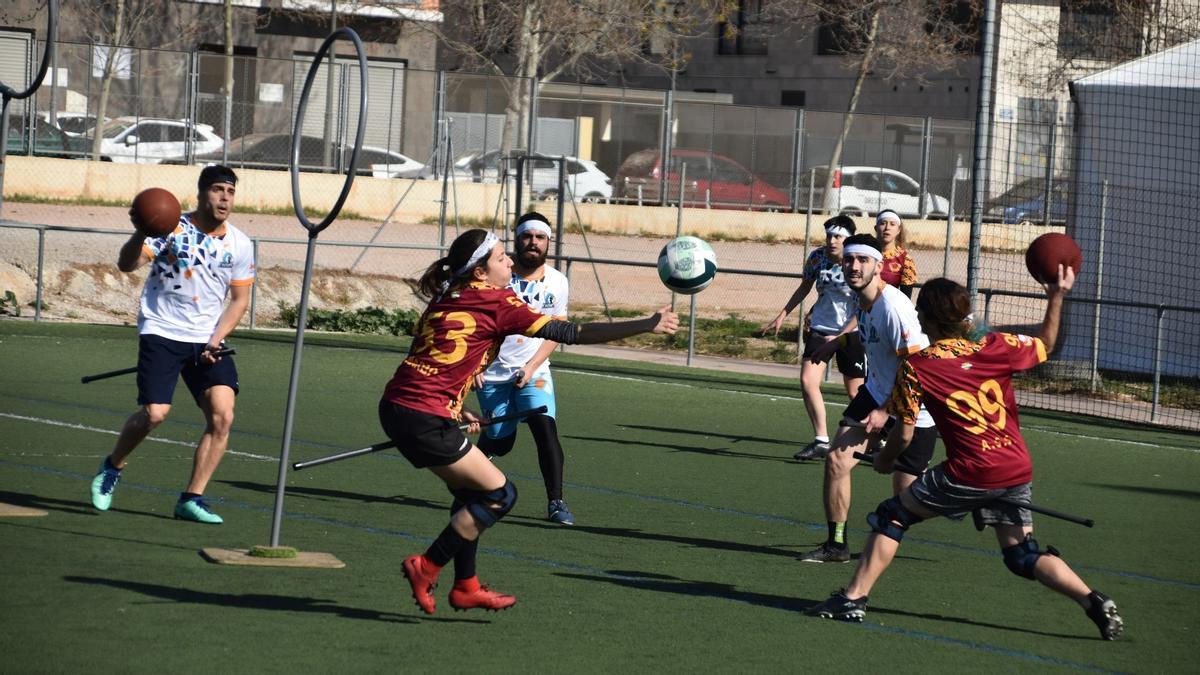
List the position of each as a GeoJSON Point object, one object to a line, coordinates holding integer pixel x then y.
{"type": "Point", "coordinates": [481, 253]}
{"type": "Point", "coordinates": [862, 249]}
{"type": "Point", "coordinates": [837, 230]}
{"type": "Point", "coordinates": [888, 215]}
{"type": "Point", "coordinates": [533, 224]}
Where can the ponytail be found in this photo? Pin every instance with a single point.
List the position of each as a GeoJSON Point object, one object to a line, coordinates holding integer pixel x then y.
{"type": "Point", "coordinates": [440, 276]}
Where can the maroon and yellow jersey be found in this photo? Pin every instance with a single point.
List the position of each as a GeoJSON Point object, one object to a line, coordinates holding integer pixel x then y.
{"type": "Point", "coordinates": [457, 337]}
{"type": "Point", "coordinates": [967, 387]}
{"type": "Point", "coordinates": [898, 268]}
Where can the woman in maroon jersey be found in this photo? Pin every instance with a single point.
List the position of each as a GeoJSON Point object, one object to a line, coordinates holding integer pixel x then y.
{"type": "Point", "coordinates": [966, 385]}
{"type": "Point", "coordinates": [470, 312]}
{"type": "Point", "coordinates": [898, 269]}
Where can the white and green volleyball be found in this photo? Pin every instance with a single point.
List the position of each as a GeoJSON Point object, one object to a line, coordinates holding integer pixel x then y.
{"type": "Point", "coordinates": [687, 265]}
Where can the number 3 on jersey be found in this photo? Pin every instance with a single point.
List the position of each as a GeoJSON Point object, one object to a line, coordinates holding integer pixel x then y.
{"type": "Point", "coordinates": [977, 407]}
{"type": "Point", "coordinates": [434, 341]}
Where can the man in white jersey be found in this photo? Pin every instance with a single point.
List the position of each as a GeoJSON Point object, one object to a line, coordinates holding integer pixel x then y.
{"type": "Point", "coordinates": [889, 331]}
{"type": "Point", "coordinates": [182, 323]}
{"type": "Point", "coordinates": [519, 379]}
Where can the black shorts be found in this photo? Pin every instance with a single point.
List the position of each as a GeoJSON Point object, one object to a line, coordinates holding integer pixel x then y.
{"type": "Point", "coordinates": [916, 457]}
{"type": "Point", "coordinates": [919, 453]}
{"type": "Point", "coordinates": [161, 361]}
{"type": "Point", "coordinates": [424, 440]}
{"type": "Point", "coordinates": [851, 360]}
{"type": "Point", "coordinates": [860, 406]}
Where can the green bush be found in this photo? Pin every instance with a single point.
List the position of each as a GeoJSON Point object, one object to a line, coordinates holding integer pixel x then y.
{"type": "Point", "coordinates": [9, 305]}
{"type": "Point", "coordinates": [370, 320]}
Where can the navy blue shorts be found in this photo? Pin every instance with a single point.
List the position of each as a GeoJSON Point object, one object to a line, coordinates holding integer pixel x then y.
{"type": "Point", "coordinates": [162, 361]}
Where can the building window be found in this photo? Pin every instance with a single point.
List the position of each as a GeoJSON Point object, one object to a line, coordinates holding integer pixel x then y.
{"type": "Point", "coordinates": [746, 34]}
{"type": "Point", "coordinates": [1096, 29]}
{"type": "Point", "coordinates": [792, 98]}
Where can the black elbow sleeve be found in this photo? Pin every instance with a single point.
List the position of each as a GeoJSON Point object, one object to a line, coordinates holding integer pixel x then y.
{"type": "Point", "coordinates": [560, 331]}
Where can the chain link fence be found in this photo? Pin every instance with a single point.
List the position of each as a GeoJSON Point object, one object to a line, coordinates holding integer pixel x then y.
{"type": "Point", "coordinates": [749, 179]}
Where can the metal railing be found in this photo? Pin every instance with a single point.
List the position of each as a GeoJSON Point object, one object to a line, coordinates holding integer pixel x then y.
{"type": "Point", "coordinates": [568, 262]}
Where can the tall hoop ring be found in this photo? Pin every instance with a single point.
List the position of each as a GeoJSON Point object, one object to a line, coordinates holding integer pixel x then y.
{"type": "Point", "coordinates": [51, 30]}
{"type": "Point", "coordinates": [349, 34]}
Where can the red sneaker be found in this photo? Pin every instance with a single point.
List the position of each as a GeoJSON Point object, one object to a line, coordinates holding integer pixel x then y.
{"type": "Point", "coordinates": [422, 576]}
{"type": "Point", "coordinates": [470, 594]}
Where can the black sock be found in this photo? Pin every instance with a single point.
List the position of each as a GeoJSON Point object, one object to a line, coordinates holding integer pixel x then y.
{"type": "Point", "coordinates": [837, 534]}
{"type": "Point", "coordinates": [550, 453]}
{"type": "Point", "coordinates": [186, 496]}
{"type": "Point", "coordinates": [443, 549]}
{"type": "Point", "coordinates": [464, 560]}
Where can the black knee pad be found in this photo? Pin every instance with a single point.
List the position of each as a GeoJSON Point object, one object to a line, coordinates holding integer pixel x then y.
{"type": "Point", "coordinates": [497, 447]}
{"type": "Point", "coordinates": [1021, 558]}
{"type": "Point", "coordinates": [891, 519]}
{"type": "Point", "coordinates": [488, 507]}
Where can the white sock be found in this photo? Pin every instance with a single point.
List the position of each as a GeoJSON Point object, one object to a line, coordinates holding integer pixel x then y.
{"type": "Point", "coordinates": [821, 439]}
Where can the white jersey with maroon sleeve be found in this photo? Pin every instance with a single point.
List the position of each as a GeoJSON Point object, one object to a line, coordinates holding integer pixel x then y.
{"type": "Point", "coordinates": [890, 331]}
{"type": "Point", "coordinates": [190, 275]}
{"type": "Point", "coordinates": [546, 294]}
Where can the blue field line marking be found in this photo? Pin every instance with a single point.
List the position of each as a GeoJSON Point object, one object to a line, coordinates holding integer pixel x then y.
{"type": "Point", "coordinates": [572, 567]}
{"type": "Point", "coordinates": [838, 405]}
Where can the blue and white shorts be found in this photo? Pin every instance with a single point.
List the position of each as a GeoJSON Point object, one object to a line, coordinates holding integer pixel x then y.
{"type": "Point", "coordinates": [505, 398]}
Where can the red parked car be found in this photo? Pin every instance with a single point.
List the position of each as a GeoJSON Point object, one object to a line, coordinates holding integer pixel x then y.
{"type": "Point", "coordinates": [712, 180]}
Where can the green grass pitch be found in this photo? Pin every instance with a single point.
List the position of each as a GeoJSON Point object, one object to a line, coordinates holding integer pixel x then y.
{"type": "Point", "coordinates": [690, 516]}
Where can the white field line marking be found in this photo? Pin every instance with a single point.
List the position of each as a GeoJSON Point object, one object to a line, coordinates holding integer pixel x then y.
{"type": "Point", "coordinates": [777, 397]}
{"type": "Point", "coordinates": [84, 427]}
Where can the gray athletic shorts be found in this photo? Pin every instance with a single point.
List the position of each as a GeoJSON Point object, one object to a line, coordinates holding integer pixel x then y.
{"type": "Point", "coordinates": [939, 493]}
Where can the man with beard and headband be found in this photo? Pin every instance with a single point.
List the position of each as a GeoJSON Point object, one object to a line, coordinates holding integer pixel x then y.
{"type": "Point", "coordinates": [519, 379]}
{"type": "Point", "coordinates": [889, 331]}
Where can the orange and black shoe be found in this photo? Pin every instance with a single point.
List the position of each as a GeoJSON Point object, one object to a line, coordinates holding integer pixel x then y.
{"type": "Point", "coordinates": [422, 576]}
{"type": "Point", "coordinates": [470, 594]}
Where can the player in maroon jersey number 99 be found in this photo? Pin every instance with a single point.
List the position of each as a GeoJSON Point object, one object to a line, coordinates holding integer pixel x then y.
{"type": "Point", "coordinates": [966, 385]}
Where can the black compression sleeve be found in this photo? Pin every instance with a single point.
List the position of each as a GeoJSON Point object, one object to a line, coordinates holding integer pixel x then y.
{"type": "Point", "coordinates": [559, 331]}
{"type": "Point", "coordinates": [907, 290]}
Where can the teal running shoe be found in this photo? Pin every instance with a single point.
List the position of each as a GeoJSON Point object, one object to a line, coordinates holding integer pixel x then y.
{"type": "Point", "coordinates": [197, 511]}
{"type": "Point", "coordinates": [103, 485]}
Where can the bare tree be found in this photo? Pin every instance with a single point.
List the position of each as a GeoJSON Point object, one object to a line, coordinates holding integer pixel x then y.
{"type": "Point", "coordinates": [890, 39]}
{"type": "Point", "coordinates": [1074, 38]}
{"type": "Point", "coordinates": [119, 26]}
{"type": "Point", "coordinates": [528, 40]}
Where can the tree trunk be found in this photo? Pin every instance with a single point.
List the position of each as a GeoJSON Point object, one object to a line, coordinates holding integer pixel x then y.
{"type": "Point", "coordinates": [110, 63]}
{"type": "Point", "coordinates": [516, 108]}
{"type": "Point", "coordinates": [228, 80]}
{"type": "Point", "coordinates": [864, 68]}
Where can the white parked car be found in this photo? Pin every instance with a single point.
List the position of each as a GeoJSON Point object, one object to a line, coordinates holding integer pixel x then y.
{"type": "Point", "coordinates": [585, 182]}
{"type": "Point", "coordinates": [386, 163]}
{"type": "Point", "coordinates": [867, 190]}
{"type": "Point", "coordinates": [150, 141]}
{"type": "Point", "coordinates": [72, 123]}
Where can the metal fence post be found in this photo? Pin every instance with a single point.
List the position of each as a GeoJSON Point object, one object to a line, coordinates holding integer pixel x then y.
{"type": "Point", "coordinates": [254, 287]}
{"type": "Point", "coordinates": [679, 221]}
{"type": "Point", "coordinates": [926, 138]}
{"type": "Point", "coordinates": [797, 158]}
{"type": "Point", "coordinates": [1158, 325]}
{"type": "Point", "coordinates": [192, 103]}
{"type": "Point", "coordinates": [1049, 173]}
{"type": "Point", "coordinates": [1099, 288]}
{"type": "Point", "coordinates": [691, 330]}
{"type": "Point", "coordinates": [533, 113]}
{"type": "Point", "coordinates": [37, 301]}
{"type": "Point", "coordinates": [812, 173]}
{"type": "Point", "coordinates": [983, 139]}
{"type": "Point", "coordinates": [665, 146]}
{"type": "Point", "coordinates": [950, 217]}
{"type": "Point", "coordinates": [987, 306]}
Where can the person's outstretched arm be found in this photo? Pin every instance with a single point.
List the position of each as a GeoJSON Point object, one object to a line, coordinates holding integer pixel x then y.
{"type": "Point", "coordinates": [1055, 293]}
{"type": "Point", "coordinates": [664, 321]}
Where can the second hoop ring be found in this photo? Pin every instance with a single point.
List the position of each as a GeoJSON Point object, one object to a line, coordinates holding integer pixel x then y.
{"type": "Point", "coordinates": [349, 34]}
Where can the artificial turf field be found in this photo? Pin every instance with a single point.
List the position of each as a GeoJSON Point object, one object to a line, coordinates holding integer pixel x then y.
{"type": "Point", "coordinates": [690, 516]}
